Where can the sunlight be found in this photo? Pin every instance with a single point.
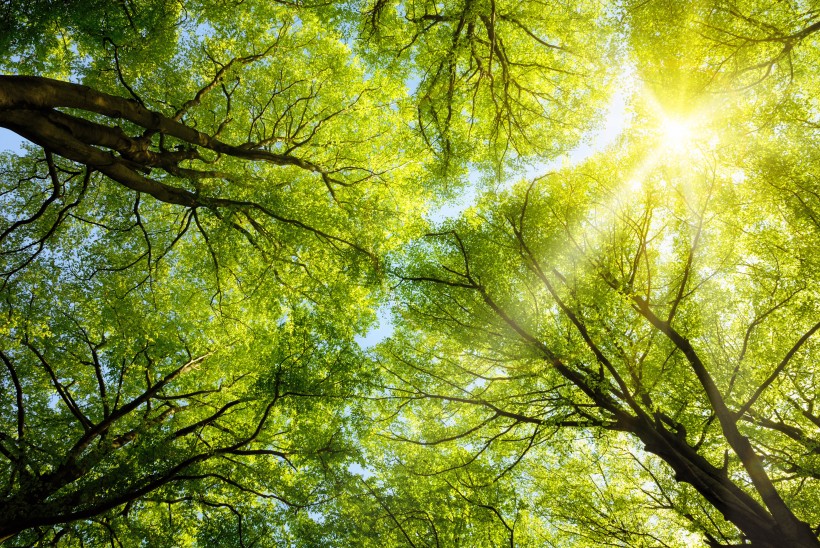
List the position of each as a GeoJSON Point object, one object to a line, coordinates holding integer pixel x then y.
{"type": "Point", "coordinates": [683, 129]}
{"type": "Point", "coordinates": [677, 135]}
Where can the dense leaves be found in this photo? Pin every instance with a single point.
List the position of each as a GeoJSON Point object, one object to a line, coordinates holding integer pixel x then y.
{"type": "Point", "coordinates": [615, 344]}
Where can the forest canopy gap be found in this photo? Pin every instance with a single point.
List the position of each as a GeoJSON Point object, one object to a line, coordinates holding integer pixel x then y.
{"type": "Point", "coordinates": [597, 285]}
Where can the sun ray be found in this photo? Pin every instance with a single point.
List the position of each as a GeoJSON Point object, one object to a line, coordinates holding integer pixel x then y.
{"type": "Point", "coordinates": [677, 134]}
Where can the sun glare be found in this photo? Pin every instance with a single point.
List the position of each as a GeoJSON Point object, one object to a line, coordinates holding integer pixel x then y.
{"type": "Point", "coordinates": [677, 135]}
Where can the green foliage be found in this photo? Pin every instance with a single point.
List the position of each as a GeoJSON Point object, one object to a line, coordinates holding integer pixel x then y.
{"type": "Point", "coordinates": [219, 196]}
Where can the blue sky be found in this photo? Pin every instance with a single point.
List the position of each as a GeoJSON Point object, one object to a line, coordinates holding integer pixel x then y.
{"type": "Point", "coordinates": [614, 124]}
{"type": "Point", "coordinates": [9, 140]}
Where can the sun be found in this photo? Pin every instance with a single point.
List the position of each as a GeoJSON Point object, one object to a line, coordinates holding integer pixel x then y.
{"type": "Point", "coordinates": [680, 129]}
{"type": "Point", "coordinates": [677, 134]}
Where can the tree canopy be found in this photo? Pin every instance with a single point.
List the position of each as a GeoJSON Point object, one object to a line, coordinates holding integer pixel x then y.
{"type": "Point", "coordinates": [589, 231]}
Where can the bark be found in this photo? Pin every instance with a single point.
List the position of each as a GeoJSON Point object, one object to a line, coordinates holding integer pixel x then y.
{"type": "Point", "coordinates": [33, 93]}
{"type": "Point", "coordinates": [737, 506]}
{"type": "Point", "coordinates": [38, 501]}
{"type": "Point", "coordinates": [794, 531]}
{"type": "Point", "coordinates": [765, 526]}
{"type": "Point", "coordinates": [28, 106]}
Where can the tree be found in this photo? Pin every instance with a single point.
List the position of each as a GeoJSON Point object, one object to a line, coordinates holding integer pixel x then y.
{"type": "Point", "coordinates": [659, 304]}
{"type": "Point", "coordinates": [125, 411]}
{"type": "Point", "coordinates": [189, 246]}
{"type": "Point", "coordinates": [496, 81]}
{"type": "Point", "coordinates": [218, 195]}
